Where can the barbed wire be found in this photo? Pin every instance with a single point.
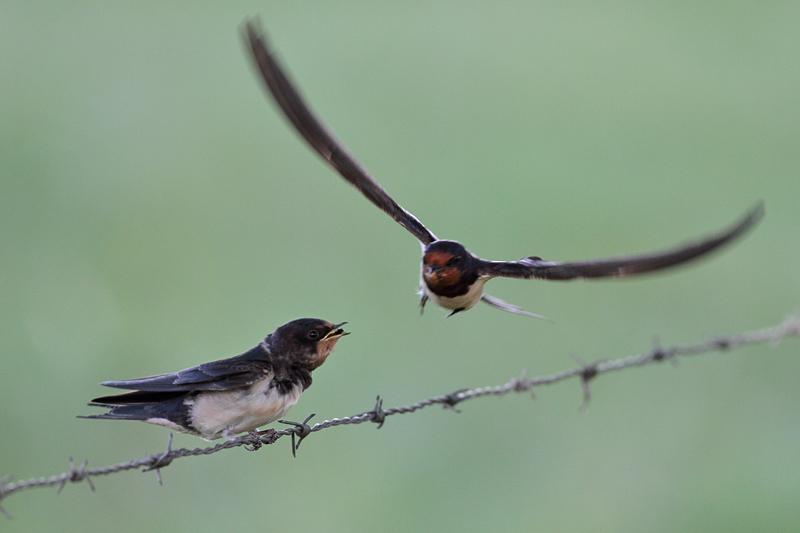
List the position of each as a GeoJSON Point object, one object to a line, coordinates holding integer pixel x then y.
{"type": "Point", "coordinates": [585, 372]}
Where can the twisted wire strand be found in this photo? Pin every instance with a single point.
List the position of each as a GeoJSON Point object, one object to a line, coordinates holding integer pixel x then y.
{"type": "Point", "coordinates": [520, 384]}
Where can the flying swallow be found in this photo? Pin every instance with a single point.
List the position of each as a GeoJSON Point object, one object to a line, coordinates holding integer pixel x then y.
{"type": "Point", "coordinates": [451, 275]}
{"type": "Point", "coordinates": [229, 396]}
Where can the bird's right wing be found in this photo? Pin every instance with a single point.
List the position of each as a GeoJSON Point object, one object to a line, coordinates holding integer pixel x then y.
{"type": "Point", "coordinates": [316, 135]}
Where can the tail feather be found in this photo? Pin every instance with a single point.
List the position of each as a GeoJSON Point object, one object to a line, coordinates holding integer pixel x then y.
{"type": "Point", "coordinates": [508, 307]}
{"type": "Point", "coordinates": [131, 406]}
{"type": "Point", "coordinates": [128, 412]}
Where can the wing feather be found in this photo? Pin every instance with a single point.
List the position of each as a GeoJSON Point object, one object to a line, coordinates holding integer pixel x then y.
{"type": "Point", "coordinates": [317, 136]}
{"type": "Point", "coordinates": [224, 374]}
{"type": "Point", "coordinates": [535, 267]}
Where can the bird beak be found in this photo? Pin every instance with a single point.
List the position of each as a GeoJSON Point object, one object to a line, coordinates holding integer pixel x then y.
{"type": "Point", "coordinates": [336, 332]}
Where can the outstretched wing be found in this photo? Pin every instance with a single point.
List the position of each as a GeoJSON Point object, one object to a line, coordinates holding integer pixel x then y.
{"type": "Point", "coordinates": [316, 135]}
{"type": "Point", "coordinates": [225, 374]}
{"type": "Point", "coordinates": [534, 267]}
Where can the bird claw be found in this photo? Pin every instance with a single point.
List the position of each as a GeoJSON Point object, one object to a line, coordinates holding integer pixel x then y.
{"type": "Point", "coordinates": [301, 431]}
{"type": "Point", "coordinates": [255, 441]}
{"type": "Point", "coordinates": [260, 438]}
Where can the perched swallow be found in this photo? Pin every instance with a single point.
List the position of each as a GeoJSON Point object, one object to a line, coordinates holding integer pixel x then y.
{"type": "Point", "coordinates": [451, 275]}
{"type": "Point", "coordinates": [230, 396]}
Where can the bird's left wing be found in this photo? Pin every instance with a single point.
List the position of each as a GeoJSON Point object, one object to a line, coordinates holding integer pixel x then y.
{"type": "Point", "coordinates": [535, 267]}
{"type": "Point", "coordinates": [224, 374]}
{"type": "Point", "coordinates": [316, 135]}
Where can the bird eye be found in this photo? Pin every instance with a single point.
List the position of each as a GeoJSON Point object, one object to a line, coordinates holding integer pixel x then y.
{"type": "Point", "coordinates": [313, 334]}
{"type": "Point", "coordinates": [453, 260]}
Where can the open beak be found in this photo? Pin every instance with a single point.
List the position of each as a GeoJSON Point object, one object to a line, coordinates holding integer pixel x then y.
{"type": "Point", "coordinates": [336, 332]}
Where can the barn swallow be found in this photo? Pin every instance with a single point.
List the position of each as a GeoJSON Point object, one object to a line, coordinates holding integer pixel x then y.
{"type": "Point", "coordinates": [451, 275]}
{"type": "Point", "coordinates": [234, 395]}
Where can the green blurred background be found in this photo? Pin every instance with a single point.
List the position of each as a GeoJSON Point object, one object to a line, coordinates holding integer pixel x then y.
{"type": "Point", "coordinates": [156, 212]}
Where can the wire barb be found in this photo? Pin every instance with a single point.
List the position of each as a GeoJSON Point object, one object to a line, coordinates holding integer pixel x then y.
{"type": "Point", "coordinates": [521, 383]}
{"type": "Point", "coordinates": [161, 460]}
{"type": "Point", "coordinates": [378, 414]}
{"type": "Point", "coordinates": [451, 400]}
{"type": "Point", "coordinates": [583, 372]}
{"type": "Point", "coordinates": [75, 474]}
{"type": "Point", "coordinates": [588, 373]}
{"type": "Point", "coordinates": [4, 480]}
{"type": "Point", "coordinates": [659, 353]}
{"type": "Point", "coordinates": [301, 430]}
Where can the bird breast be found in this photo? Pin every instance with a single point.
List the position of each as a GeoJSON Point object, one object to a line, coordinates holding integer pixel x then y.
{"type": "Point", "coordinates": [236, 411]}
{"type": "Point", "coordinates": [462, 301]}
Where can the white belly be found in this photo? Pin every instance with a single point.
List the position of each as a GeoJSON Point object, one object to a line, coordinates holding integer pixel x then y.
{"type": "Point", "coordinates": [465, 301]}
{"type": "Point", "coordinates": [215, 413]}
